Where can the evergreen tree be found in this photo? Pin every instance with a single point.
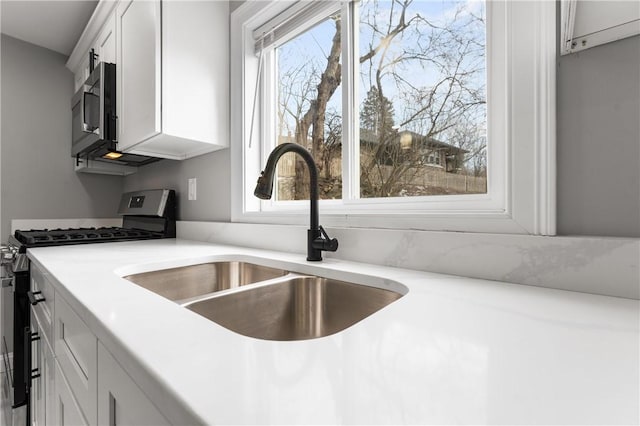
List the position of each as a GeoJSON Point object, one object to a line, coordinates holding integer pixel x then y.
{"type": "Point", "coordinates": [377, 114]}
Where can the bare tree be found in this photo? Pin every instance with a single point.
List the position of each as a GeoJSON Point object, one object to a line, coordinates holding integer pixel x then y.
{"type": "Point", "coordinates": [400, 43]}
{"type": "Point", "coordinates": [293, 95]}
{"type": "Point", "coordinates": [453, 55]}
{"type": "Point", "coordinates": [471, 140]}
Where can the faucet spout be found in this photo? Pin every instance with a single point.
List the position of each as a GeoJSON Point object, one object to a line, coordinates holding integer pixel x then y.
{"type": "Point", "coordinates": [317, 238]}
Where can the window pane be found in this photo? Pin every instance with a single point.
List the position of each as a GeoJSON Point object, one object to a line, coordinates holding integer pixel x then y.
{"type": "Point", "coordinates": [310, 110]}
{"type": "Point", "coordinates": [423, 113]}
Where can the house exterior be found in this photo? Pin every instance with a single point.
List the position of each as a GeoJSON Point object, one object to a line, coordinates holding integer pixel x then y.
{"type": "Point", "coordinates": [419, 149]}
{"type": "Point", "coordinates": [427, 167]}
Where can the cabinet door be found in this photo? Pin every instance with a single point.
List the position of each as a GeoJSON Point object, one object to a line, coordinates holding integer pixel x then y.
{"type": "Point", "coordinates": [43, 310]}
{"type": "Point", "coordinates": [42, 386]}
{"type": "Point", "coordinates": [138, 81]}
{"type": "Point", "coordinates": [76, 350]}
{"type": "Point", "coordinates": [48, 377]}
{"type": "Point", "coordinates": [82, 74]}
{"type": "Point", "coordinates": [67, 411]}
{"type": "Point", "coordinates": [120, 401]}
{"type": "Point", "coordinates": [106, 42]}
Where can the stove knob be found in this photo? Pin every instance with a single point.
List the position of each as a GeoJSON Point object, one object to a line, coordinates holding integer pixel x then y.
{"type": "Point", "coordinates": [6, 257]}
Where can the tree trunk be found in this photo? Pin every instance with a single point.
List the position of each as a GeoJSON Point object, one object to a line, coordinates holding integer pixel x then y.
{"type": "Point", "coordinates": [314, 118]}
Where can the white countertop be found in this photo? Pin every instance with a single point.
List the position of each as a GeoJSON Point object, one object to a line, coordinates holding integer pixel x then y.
{"type": "Point", "coordinates": [452, 350]}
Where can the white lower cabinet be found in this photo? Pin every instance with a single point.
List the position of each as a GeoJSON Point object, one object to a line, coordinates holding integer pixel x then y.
{"type": "Point", "coordinates": [43, 372]}
{"type": "Point", "coordinates": [120, 401]}
{"type": "Point", "coordinates": [67, 411]}
{"type": "Point", "coordinates": [48, 380]}
{"type": "Point", "coordinates": [77, 381]}
{"type": "Point", "coordinates": [76, 351]}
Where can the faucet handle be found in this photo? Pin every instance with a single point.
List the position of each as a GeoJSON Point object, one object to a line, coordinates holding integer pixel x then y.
{"type": "Point", "coordinates": [326, 243]}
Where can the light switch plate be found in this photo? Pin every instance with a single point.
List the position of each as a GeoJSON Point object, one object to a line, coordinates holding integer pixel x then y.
{"type": "Point", "coordinates": [192, 189]}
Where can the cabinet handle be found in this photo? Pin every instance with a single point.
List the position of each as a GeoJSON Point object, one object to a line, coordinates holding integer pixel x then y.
{"type": "Point", "coordinates": [32, 297]}
{"type": "Point", "coordinates": [112, 410]}
{"type": "Point", "coordinates": [28, 371]}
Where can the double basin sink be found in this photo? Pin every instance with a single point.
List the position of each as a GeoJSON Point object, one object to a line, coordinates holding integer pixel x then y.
{"type": "Point", "coordinates": [267, 303]}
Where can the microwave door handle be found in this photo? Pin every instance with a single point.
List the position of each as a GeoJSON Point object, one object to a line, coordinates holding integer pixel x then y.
{"type": "Point", "coordinates": [83, 109]}
{"type": "Point", "coordinates": [83, 112]}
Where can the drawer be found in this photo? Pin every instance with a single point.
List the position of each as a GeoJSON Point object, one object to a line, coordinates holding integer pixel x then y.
{"type": "Point", "coordinates": [76, 351]}
{"type": "Point", "coordinates": [66, 409]}
{"type": "Point", "coordinates": [45, 294]}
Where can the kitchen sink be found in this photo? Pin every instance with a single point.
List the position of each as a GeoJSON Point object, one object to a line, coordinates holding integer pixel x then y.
{"type": "Point", "coordinates": [300, 308]}
{"type": "Point", "coordinates": [184, 283]}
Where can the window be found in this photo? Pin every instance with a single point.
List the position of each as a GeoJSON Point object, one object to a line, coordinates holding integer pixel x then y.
{"type": "Point", "coordinates": [302, 64]}
{"type": "Point", "coordinates": [419, 114]}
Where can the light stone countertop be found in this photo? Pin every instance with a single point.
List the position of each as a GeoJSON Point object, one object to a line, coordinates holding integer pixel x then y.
{"type": "Point", "coordinates": [452, 350]}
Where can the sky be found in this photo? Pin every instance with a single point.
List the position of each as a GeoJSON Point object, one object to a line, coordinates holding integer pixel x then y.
{"type": "Point", "coordinates": [310, 48]}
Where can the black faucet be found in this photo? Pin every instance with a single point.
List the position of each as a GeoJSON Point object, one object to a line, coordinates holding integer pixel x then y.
{"type": "Point", "coordinates": [317, 238]}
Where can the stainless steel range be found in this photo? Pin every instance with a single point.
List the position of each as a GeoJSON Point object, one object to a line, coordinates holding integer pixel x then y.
{"type": "Point", "coordinates": [149, 214]}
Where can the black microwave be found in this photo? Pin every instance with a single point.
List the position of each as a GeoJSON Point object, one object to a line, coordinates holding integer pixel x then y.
{"type": "Point", "coordinates": [93, 110]}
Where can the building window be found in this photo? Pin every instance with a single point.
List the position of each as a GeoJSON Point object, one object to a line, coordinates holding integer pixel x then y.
{"type": "Point", "coordinates": [406, 106]}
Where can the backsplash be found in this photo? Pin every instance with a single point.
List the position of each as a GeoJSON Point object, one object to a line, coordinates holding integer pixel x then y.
{"type": "Point", "coordinates": [606, 266]}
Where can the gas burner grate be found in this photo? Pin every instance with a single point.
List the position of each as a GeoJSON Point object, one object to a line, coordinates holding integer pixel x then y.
{"type": "Point", "coordinates": [46, 237]}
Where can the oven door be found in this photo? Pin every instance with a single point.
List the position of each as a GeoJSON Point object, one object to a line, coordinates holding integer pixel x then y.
{"type": "Point", "coordinates": [6, 343]}
{"type": "Point", "coordinates": [16, 323]}
{"type": "Point", "coordinates": [11, 415]}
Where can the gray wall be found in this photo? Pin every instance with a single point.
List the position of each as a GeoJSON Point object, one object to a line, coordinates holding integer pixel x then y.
{"type": "Point", "coordinates": [599, 141]}
{"type": "Point", "coordinates": [233, 5]}
{"type": "Point", "coordinates": [598, 149]}
{"type": "Point", "coordinates": [212, 172]}
{"type": "Point", "coordinates": [37, 178]}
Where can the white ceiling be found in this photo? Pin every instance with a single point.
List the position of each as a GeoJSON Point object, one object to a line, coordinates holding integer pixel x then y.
{"type": "Point", "coordinates": [53, 24]}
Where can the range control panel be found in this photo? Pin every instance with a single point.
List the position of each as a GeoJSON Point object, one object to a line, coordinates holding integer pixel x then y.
{"type": "Point", "coordinates": [136, 202]}
{"type": "Point", "coordinates": [147, 203]}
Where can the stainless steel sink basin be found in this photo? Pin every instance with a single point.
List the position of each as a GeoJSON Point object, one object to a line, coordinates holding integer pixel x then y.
{"type": "Point", "coordinates": [296, 309]}
{"type": "Point", "coordinates": [184, 283]}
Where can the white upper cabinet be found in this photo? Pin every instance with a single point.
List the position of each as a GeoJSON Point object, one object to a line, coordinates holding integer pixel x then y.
{"type": "Point", "coordinates": [81, 74]}
{"type": "Point", "coordinates": [138, 72]}
{"type": "Point", "coordinates": [172, 73]}
{"type": "Point", "coordinates": [195, 77]}
{"type": "Point", "coordinates": [173, 77]}
{"type": "Point", "coordinates": [100, 35]}
{"type": "Point", "coordinates": [105, 45]}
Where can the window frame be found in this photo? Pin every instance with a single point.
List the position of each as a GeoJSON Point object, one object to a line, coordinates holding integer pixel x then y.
{"type": "Point", "coordinates": [521, 133]}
